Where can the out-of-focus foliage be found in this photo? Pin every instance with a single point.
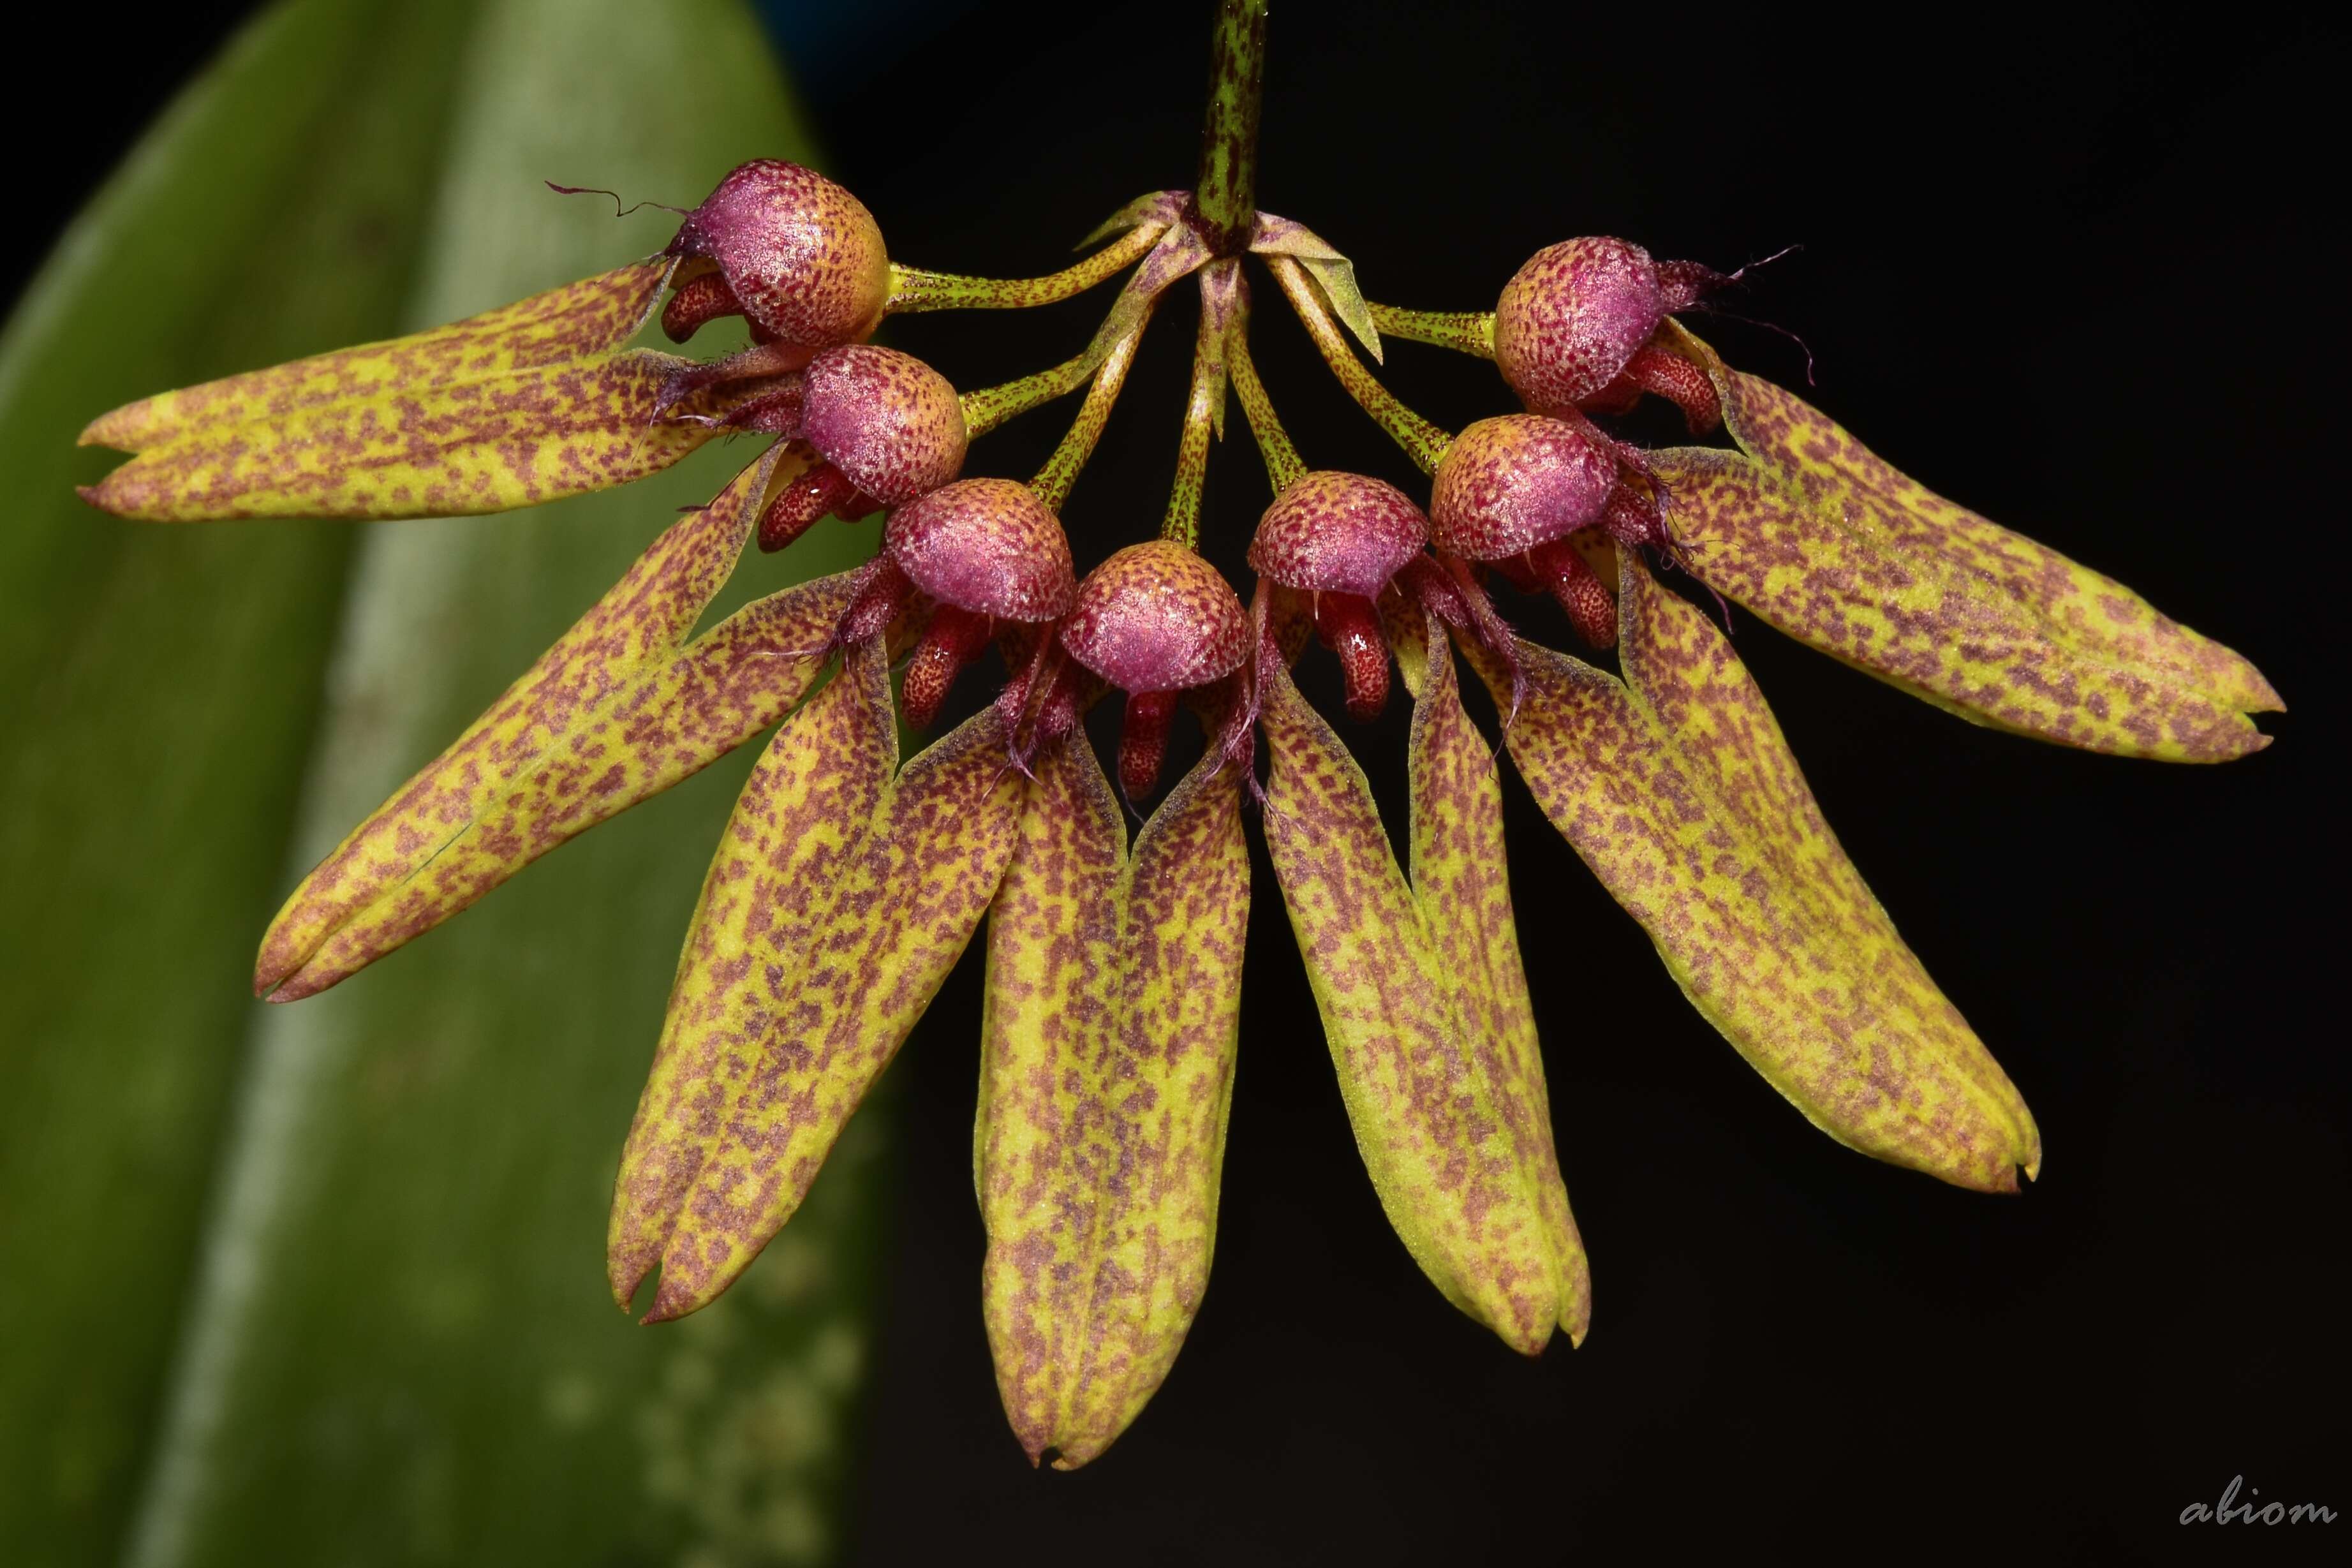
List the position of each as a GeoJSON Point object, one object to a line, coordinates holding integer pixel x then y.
{"type": "Point", "coordinates": [324, 1282]}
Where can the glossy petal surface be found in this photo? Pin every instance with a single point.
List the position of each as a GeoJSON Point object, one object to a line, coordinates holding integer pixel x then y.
{"type": "Point", "coordinates": [985, 545]}
{"type": "Point", "coordinates": [1155, 616]}
{"type": "Point", "coordinates": [1114, 995]}
{"type": "Point", "coordinates": [1338, 534]}
{"type": "Point", "coordinates": [1676, 788]}
{"type": "Point", "coordinates": [1809, 528]}
{"type": "Point", "coordinates": [803, 255]}
{"type": "Point", "coordinates": [516, 407]}
{"type": "Point", "coordinates": [1424, 1002]}
{"type": "Point", "coordinates": [887, 420]}
{"type": "Point", "coordinates": [841, 895]}
{"type": "Point", "coordinates": [620, 708]}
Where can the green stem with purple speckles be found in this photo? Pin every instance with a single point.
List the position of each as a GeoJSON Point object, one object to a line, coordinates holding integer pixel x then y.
{"type": "Point", "coordinates": [1423, 442]}
{"type": "Point", "coordinates": [989, 407]}
{"type": "Point", "coordinates": [1281, 460]}
{"type": "Point", "coordinates": [1224, 201]}
{"type": "Point", "coordinates": [1464, 332]}
{"type": "Point", "coordinates": [1202, 409]}
{"type": "Point", "coordinates": [914, 289]}
{"type": "Point", "coordinates": [1060, 475]}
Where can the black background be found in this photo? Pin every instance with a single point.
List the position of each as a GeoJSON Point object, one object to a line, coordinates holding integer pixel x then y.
{"type": "Point", "coordinates": [2068, 267]}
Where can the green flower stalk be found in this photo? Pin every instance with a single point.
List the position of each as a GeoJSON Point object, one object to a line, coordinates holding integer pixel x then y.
{"type": "Point", "coordinates": [851, 878]}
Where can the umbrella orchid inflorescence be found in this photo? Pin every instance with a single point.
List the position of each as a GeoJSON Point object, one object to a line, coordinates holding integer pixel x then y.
{"type": "Point", "coordinates": [851, 878]}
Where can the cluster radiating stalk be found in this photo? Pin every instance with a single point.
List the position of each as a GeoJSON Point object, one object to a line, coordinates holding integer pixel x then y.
{"type": "Point", "coordinates": [1218, 221]}
{"type": "Point", "coordinates": [851, 876]}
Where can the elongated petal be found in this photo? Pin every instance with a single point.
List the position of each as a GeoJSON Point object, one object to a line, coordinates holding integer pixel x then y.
{"type": "Point", "coordinates": [1114, 992]}
{"type": "Point", "coordinates": [511, 408]}
{"type": "Point", "coordinates": [620, 708]}
{"type": "Point", "coordinates": [1809, 530]}
{"type": "Point", "coordinates": [1426, 1005]}
{"type": "Point", "coordinates": [1676, 788]}
{"type": "Point", "coordinates": [840, 896]}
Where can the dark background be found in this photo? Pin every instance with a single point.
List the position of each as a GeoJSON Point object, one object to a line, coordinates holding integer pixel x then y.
{"type": "Point", "coordinates": [2067, 269]}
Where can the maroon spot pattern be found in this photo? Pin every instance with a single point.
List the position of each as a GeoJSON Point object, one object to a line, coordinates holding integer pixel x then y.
{"type": "Point", "coordinates": [1508, 484]}
{"type": "Point", "coordinates": [841, 893]}
{"type": "Point", "coordinates": [1825, 539]}
{"type": "Point", "coordinates": [886, 420]}
{"type": "Point", "coordinates": [803, 257]}
{"type": "Point", "coordinates": [1114, 998]}
{"type": "Point", "coordinates": [515, 407]}
{"type": "Point", "coordinates": [1337, 532]}
{"type": "Point", "coordinates": [1425, 1001]}
{"type": "Point", "coordinates": [1572, 316]}
{"type": "Point", "coordinates": [617, 711]}
{"type": "Point", "coordinates": [986, 545]}
{"type": "Point", "coordinates": [1157, 617]}
{"type": "Point", "coordinates": [1676, 788]}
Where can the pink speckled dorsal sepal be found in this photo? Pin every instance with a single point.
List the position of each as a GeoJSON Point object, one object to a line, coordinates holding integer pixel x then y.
{"type": "Point", "coordinates": [623, 707]}
{"type": "Point", "coordinates": [522, 405]}
{"type": "Point", "coordinates": [1809, 530]}
{"type": "Point", "coordinates": [841, 895]}
{"type": "Point", "coordinates": [1114, 995]}
{"type": "Point", "coordinates": [1425, 1002]}
{"type": "Point", "coordinates": [1676, 789]}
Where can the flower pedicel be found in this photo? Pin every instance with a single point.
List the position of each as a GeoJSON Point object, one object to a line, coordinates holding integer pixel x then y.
{"type": "Point", "coordinates": [849, 881]}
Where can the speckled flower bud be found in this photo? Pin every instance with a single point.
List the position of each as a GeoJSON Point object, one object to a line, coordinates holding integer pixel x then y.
{"type": "Point", "coordinates": [990, 554]}
{"type": "Point", "coordinates": [989, 546]}
{"type": "Point", "coordinates": [1343, 538]}
{"type": "Point", "coordinates": [1338, 534]}
{"type": "Point", "coordinates": [1157, 617]}
{"type": "Point", "coordinates": [890, 422]}
{"type": "Point", "coordinates": [1573, 316]}
{"type": "Point", "coordinates": [884, 426]}
{"type": "Point", "coordinates": [801, 257]}
{"type": "Point", "coordinates": [1153, 620]}
{"type": "Point", "coordinates": [1509, 484]}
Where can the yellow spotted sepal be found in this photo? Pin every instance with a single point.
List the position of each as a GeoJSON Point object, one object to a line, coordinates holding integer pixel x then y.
{"type": "Point", "coordinates": [1821, 537]}
{"type": "Point", "coordinates": [841, 893]}
{"type": "Point", "coordinates": [1107, 1065]}
{"type": "Point", "coordinates": [525, 404]}
{"type": "Point", "coordinates": [1425, 1001]}
{"type": "Point", "coordinates": [1676, 786]}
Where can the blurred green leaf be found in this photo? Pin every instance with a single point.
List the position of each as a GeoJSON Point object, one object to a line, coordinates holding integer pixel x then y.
{"type": "Point", "coordinates": [357, 1315]}
{"type": "Point", "coordinates": [159, 688]}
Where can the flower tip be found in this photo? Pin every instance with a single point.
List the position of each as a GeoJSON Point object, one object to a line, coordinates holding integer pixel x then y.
{"type": "Point", "coordinates": [671, 1302]}
{"type": "Point", "coordinates": [627, 1267]}
{"type": "Point", "coordinates": [104, 496]}
{"type": "Point", "coordinates": [303, 980]}
{"type": "Point", "coordinates": [1576, 1311]}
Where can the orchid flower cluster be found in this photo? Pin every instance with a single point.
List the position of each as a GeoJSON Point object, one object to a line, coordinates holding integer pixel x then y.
{"type": "Point", "coordinates": [849, 879]}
